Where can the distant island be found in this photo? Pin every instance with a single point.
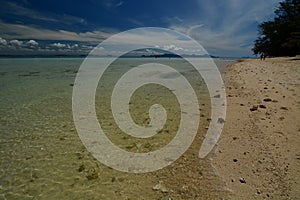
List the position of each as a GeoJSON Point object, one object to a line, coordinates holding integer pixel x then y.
{"type": "Point", "coordinates": [170, 55]}
{"type": "Point", "coordinates": [44, 56]}
{"type": "Point", "coordinates": [164, 55]}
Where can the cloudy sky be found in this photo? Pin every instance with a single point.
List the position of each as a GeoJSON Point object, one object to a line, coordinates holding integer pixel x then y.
{"type": "Point", "coordinates": [223, 28]}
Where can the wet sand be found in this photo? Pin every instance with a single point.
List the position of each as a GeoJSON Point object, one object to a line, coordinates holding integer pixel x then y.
{"type": "Point", "coordinates": [258, 153]}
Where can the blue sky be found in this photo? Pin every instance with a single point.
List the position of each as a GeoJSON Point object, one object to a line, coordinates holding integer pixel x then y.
{"type": "Point", "coordinates": [223, 28]}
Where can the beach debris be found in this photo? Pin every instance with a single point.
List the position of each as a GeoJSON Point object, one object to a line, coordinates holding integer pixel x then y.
{"type": "Point", "coordinates": [221, 120]}
{"type": "Point", "coordinates": [138, 145]}
{"type": "Point", "coordinates": [81, 168]}
{"type": "Point", "coordinates": [79, 155]}
{"type": "Point", "coordinates": [71, 84]}
{"type": "Point", "coordinates": [92, 174]}
{"type": "Point", "coordinates": [254, 108]}
{"type": "Point", "coordinates": [148, 145]}
{"type": "Point", "coordinates": [267, 99]}
{"type": "Point", "coordinates": [130, 146]}
{"type": "Point", "coordinates": [62, 138]}
{"type": "Point", "coordinates": [283, 108]}
{"type": "Point", "coordinates": [234, 138]}
{"type": "Point", "coordinates": [217, 96]}
{"type": "Point", "coordinates": [281, 118]}
{"type": "Point", "coordinates": [160, 187]}
{"type": "Point", "coordinates": [242, 180]}
{"type": "Point", "coordinates": [262, 106]}
{"type": "Point", "coordinates": [258, 191]}
{"type": "Point", "coordinates": [28, 157]}
{"type": "Point", "coordinates": [235, 160]}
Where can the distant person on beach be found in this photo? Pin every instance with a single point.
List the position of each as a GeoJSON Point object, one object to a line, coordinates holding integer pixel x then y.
{"type": "Point", "coordinates": [263, 56]}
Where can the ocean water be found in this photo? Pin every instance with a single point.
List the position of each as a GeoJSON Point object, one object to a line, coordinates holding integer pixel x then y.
{"type": "Point", "coordinates": [42, 156]}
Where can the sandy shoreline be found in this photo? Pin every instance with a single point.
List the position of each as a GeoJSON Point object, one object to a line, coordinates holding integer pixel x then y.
{"type": "Point", "coordinates": [258, 153]}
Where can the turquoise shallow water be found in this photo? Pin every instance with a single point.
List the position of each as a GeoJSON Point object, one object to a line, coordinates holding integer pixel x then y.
{"type": "Point", "coordinates": [42, 156]}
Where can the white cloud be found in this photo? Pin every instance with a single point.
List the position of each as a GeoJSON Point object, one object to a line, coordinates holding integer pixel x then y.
{"type": "Point", "coordinates": [119, 4]}
{"type": "Point", "coordinates": [227, 28]}
{"type": "Point", "coordinates": [68, 47]}
{"type": "Point", "coordinates": [16, 42]}
{"type": "Point", "coordinates": [32, 47]}
{"type": "Point", "coordinates": [146, 38]}
{"type": "Point", "coordinates": [12, 31]}
{"type": "Point", "coordinates": [59, 45]}
{"type": "Point", "coordinates": [172, 47]}
{"type": "Point", "coordinates": [218, 43]}
{"type": "Point", "coordinates": [151, 51]}
{"type": "Point", "coordinates": [3, 41]}
{"type": "Point", "coordinates": [86, 47]}
{"type": "Point", "coordinates": [194, 27]}
{"type": "Point", "coordinates": [32, 43]}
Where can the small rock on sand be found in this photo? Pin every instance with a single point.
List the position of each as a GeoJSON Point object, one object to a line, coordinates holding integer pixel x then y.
{"type": "Point", "coordinates": [262, 106]}
{"type": "Point", "coordinates": [267, 99]}
{"type": "Point", "coordinates": [254, 108]}
{"type": "Point", "coordinates": [242, 180]}
{"type": "Point", "coordinates": [283, 108]}
{"type": "Point", "coordinates": [160, 187]}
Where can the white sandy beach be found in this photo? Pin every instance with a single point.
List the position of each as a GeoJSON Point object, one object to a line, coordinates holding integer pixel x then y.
{"type": "Point", "coordinates": [258, 152]}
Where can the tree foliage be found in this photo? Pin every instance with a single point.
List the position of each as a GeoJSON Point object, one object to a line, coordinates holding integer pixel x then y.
{"type": "Point", "coordinates": [281, 36]}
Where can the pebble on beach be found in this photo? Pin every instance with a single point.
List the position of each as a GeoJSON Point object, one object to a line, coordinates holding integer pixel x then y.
{"type": "Point", "coordinates": [254, 108]}
{"type": "Point", "coordinates": [160, 187]}
{"type": "Point", "coordinates": [262, 106]}
{"type": "Point", "coordinates": [242, 180]}
{"type": "Point", "coordinates": [267, 99]}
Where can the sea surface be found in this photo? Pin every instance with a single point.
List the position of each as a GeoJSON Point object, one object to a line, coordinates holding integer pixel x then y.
{"type": "Point", "coordinates": [42, 156]}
